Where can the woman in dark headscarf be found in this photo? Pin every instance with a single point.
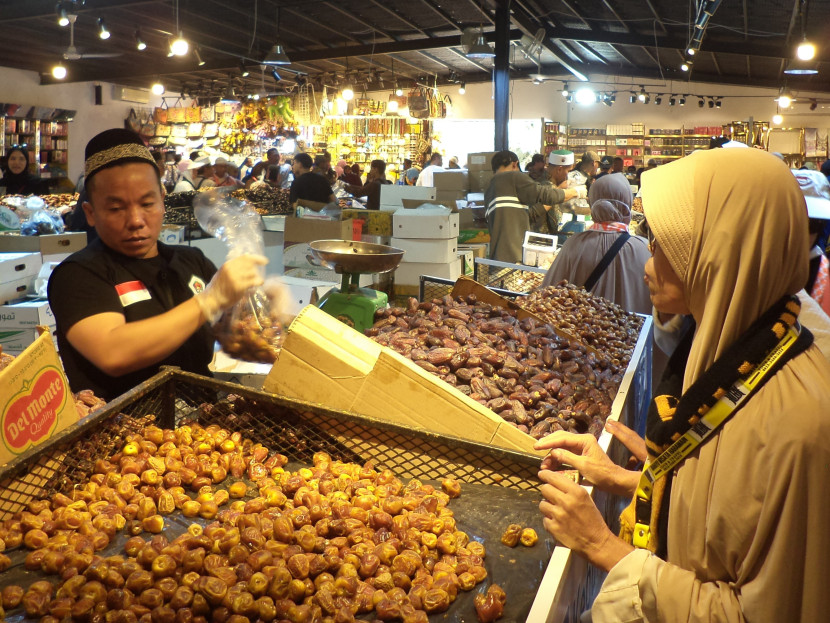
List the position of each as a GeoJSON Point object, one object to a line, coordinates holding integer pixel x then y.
{"type": "Point", "coordinates": [18, 180]}
{"type": "Point", "coordinates": [622, 281]}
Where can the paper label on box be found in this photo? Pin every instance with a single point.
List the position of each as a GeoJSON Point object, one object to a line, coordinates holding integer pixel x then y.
{"type": "Point", "coordinates": [31, 415]}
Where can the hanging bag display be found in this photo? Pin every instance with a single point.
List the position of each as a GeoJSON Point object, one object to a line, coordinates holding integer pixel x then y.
{"type": "Point", "coordinates": [160, 114]}
{"type": "Point", "coordinates": [132, 122]}
{"type": "Point", "coordinates": [192, 114]}
{"type": "Point", "coordinates": [418, 103]}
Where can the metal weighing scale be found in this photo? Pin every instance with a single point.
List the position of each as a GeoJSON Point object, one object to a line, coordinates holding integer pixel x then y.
{"type": "Point", "coordinates": [353, 305]}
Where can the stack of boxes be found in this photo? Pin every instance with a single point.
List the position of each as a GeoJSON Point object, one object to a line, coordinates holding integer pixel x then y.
{"type": "Point", "coordinates": [429, 237]}
{"type": "Point", "coordinates": [21, 261]}
{"type": "Point", "coordinates": [451, 186]}
{"type": "Point", "coordinates": [480, 170]}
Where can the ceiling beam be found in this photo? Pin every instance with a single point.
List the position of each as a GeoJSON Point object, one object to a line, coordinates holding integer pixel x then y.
{"type": "Point", "coordinates": [17, 11]}
{"type": "Point", "coordinates": [484, 13]}
{"type": "Point", "coordinates": [578, 14]}
{"type": "Point", "coordinates": [717, 65]}
{"type": "Point", "coordinates": [333, 6]}
{"type": "Point", "coordinates": [399, 17]}
{"type": "Point", "coordinates": [657, 16]}
{"type": "Point", "coordinates": [529, 26]}
{"type": "Point", "coordinates": [443, 14]}
{"type": "Point", "coordinates": [616, 15]}
{"type": "Point", "coordinates": [592, 52]}
{"type": "Point", "coordinates": [475, 64]}
{"type": "Point", "coordinates": [624, 56]}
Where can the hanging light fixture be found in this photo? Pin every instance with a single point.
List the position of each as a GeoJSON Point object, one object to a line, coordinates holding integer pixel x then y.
{"type": "Point", "coordinates": [179, 46]}
{"type": "Point", "coordinates": [244, 70]}
{"type": "Point", "coordinates": [642, 95]}
{"type": "Point", "coordinates": [682, 101]}
{"type": "Point", "coordinates": [59, 71]}
{"type": "Point", "coordinates": [462, 88]}
{"type": "Point", "coordinates": [480, 48]}
{"type": "Point", "coordinates": [785, 98]}
{"type": "Point", "coordinates": [103, 33]}
{"type": "Point", "coordinates": [63, 18]}
{"type": "Point", "coordinates": [347, 93]}
{"type": "Point", "coordinates": [777, 119]}
{"type": "Point", "coordinates": [275, 74]}
{"type": "Point", "coordinates": [565, 90]}
{"type": "Point", "coordinates": [277, 55]}
{"type": "Point", "coordinates": [157, 88]}
{"type": "Point", "coordinates": [199, 60]}
{"type": "Point", "coordinates": [229, 97]}
{"type": "Point", "coordinates": [393, 105]}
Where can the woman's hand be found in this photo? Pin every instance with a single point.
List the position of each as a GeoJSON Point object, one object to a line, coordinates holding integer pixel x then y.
{"type": "Point", "coordinates": [572, 518]}
{"type": "Point", "coordinates": [583, 453]}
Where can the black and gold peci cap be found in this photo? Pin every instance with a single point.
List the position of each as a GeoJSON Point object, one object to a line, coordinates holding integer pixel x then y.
{"type": "Point", "coordinates": [114, 147]}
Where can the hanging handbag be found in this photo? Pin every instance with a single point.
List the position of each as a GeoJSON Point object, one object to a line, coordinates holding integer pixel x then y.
{"type": "Point", "coordinates": [192, 114]}
{"type": "Point", "coordinates": [160, 114]}
{"type": "Point", "coordinates": [195, 129]}
{"type": "Point", "coordinates": [211, 130]}
{"type": "Point", "coordinates": [132, 122]}
{"type": "Point", "coordinates": [418, 103]}
{"type": "Point", "coordinates": [176, 115]}
{"type": "Point", "coordinates": [207, 114]}
{"type": "Point", "coordinates": [162, 129]}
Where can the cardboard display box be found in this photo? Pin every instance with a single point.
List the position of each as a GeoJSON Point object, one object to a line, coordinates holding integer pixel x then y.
{"type": "Point", "coordinates": [451, 197]}
{"type": "Point", "coordinates": [480, 180]}
{"type": "Point", "coordinates": [392, 195]}
{"type": "Point", "coordinates": [15, 266]}
{"type": "Point", "coordinates": [67, 242]}
{"type": "Point", "coordinates": [35, 399]}
{"type": "Point", "coordinates": [15, 340]}
{"type": "Point", "coordinates": [326, 362]}
{"type": "Point", "coordinates": [16, 289]}
{"type": "Point", "coordinates": [467, 258]}
{"type": "Point", "coordinates": [428, 250]}
{"type": "Point", "coordinates": [26, 314]}
{"type": "Point", "coordinates": [425, 223]}
{"type": "Point", "coordinates": [451, 180]}
{"type": "Point", "coordinates": [375, 222]}
{"type": "Point", "coordinates": [480, 161]}
{"type": "Point", "coordinates": [474, 236]}
{"type": "Point", "coordinates": [477, 249]}
{"type": "Point", "coordinates": [410, 273]}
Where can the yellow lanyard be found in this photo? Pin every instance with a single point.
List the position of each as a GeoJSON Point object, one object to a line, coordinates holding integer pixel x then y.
{"type": "Point", "coordinates": [697, 434]}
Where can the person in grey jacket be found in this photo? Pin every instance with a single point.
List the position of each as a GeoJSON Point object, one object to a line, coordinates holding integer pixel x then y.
{"type": "Point", "coordinates": [509, 200]}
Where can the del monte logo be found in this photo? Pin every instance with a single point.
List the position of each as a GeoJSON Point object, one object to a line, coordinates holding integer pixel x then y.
{"type": "Point", "coordinates": [32, 414]}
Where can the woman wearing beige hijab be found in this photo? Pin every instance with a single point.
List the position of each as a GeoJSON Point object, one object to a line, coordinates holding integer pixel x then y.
{"type": "Point", "coordinates": [622, 281]}
{"type": "Point", "coordinates": [740, 526]}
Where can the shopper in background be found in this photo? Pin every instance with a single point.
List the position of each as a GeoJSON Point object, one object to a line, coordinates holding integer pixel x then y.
{"type": "Point", "coordinates": [350, 176]}
{"type": "Point", "coordinates": [509, 199]}
{"type": "Point", "coordinates": [735, 528]}
{"type": "Point", "coordinates": [410, 173]}
{"type": "Point", "coordinates": [453, 163]}
{"type": "Point", "coordinates": [582, 175]}
{"type": "Point", "coordinates": [127, 304]}
{"type": "Point", "coordinates": [221, 176]}
{"type": "Point", "coordinates": [375, 178]}
{"type": "Point", "coordinates": [321, 166]}
{"type": "Point", "coordinates": [255, 173]}
{"type": "Point", "coordinates": [436, 163]}
{"type": "Point", "coordinates": [617, 166]}
{"type": "Point", "coordinates": [16, 179]}
{"type": "Point", "coordinates": [606, 260]}
{"type": "Point", "coordinates": [308, 185]}
{"type": "Point", "coordinates": [604, 167]}
{"type": "Point", "coordinates": [816, 190]}
{"type": "Point", "coordinates": [196, 176]}
{"type": "Point", "coordinates": [536, 168]}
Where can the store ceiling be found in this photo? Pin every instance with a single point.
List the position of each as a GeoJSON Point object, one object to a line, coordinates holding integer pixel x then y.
{"type": "Point", "coordinates": [370, 42]}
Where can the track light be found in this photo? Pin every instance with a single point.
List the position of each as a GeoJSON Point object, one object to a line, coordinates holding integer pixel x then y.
{"type": "Point", "coordinates": [642, 95]}
{"type": "Point", "coordinates": [672, 101]}
{"type": "Point", "coordinates": [717, 103]}
{"type": "Point", "coordinates": [398, 89]}
{"type": "Point", "coordinates": [243, 69]}
{"type": "Point", "coordinates": [585, 96]}
{"type": "Point", "coordinates": [103, 33]}
{"type": "Point", "coordinates": [157, 88]}
{"type": "Point", "coordinates": [700, 103]}
{"type": "Point", "coordinates": [179, 46]}
{"type": "Point", "coordinates": [785, 99]}
{"type": "Point", "coordinates": [777, 119]}
{"type": "Point", "coordinates": [276, 74]}
{"type": "Point", "coordinates": [565, 90]}
{"type": "Point", "coordinates": [711, 103]}
{"type": "Point", "coordinates": [59, 72]}
{"type": "Point", "coordinates": [537, 81]}
{"type": "Point", "coordinates": [632, 98]}
{"type": "Point", "coordinates": [682, 101]}
{"type": "Point", "coordinates": [685, 66]}
{"type": "Point", "coordinates": [276, 56]}
{"type": "Point", "coordinates": [813, 104]}
{"type": "Point", "coordinates": [658, 100]}
{"type": "Point", "coordinates": [347, 93]}
{"type": "Point", "coordinates": [199, 60]}
{"type": "Point", "coordinates": [63, 18]}
{"type": "Point", "coordinates": [462, 89]}
{"type": "Point", "coordinates": [140, 44]}
{"type": "Point", "coordinates": [392, 105]}
{"type": "Point", "coordinates": [690, 51]}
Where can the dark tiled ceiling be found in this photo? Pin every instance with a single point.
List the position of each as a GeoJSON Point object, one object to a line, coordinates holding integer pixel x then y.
{"type": "Point", "coordinates": [746, 42]}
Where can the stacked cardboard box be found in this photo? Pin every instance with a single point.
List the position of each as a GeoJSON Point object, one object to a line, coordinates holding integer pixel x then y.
{"type": "Point", "coordinates": [392, 195]}
{"type": "Point", "coordinates": [52, 247]}
{"type": "Point", "coordinates": [429, 237]}
{"type": "Point", "coordinates": [480, 171]}
{"type": "Point", "coordinates": [17, 275]}
{"type": "Point", "coordinates": [19, 322]}
{"type": "Point", "coordinates": [451, 186]}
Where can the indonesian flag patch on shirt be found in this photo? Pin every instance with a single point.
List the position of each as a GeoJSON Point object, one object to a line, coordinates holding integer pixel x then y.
{"type": "Point", "coordinates": [131, 292]}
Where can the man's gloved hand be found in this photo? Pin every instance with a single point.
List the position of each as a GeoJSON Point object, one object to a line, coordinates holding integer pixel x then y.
{"type": "Point", "coordinates": [581, 191]}
{"type": "Point", "coordinates": [229, 284]}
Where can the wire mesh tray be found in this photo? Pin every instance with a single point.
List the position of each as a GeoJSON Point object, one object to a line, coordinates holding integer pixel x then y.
{"type": "Point", "coordinates": [500, 486]}
{"type": "Point", "coordinates": [511, 277]}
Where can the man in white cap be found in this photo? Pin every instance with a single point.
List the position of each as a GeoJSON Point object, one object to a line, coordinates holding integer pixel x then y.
{"type": "Point", "coordinates": [559, 163]}
{"type": "Point", "coordinates": [510, 199]}
{"type": "Point", "coordinates": [582, 175]}
{"type": "Point", "coordinates": [220, 174]}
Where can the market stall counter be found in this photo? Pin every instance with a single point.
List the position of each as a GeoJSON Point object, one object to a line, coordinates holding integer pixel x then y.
{"type": "Point", "coordinates": [498, 487]}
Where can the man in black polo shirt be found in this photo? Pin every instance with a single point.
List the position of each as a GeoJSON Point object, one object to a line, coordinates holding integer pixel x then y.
{"type": "Point", "coordinates": [127, 304]}
{"type": "Point", "coordinates": [308, 185]}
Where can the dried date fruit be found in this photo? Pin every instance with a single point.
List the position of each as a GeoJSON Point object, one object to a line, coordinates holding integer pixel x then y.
{"type": "Point", "coordinates": [510, 537]}
{"type": "Point", "coordinates": [528, 537]}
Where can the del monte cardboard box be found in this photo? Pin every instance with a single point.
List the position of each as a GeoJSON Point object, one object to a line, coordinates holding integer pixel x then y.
{"type": "Point", "coordinates": [35, 399]}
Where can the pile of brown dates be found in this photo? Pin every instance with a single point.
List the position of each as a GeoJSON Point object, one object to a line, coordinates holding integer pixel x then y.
{"type": "Point", "coordinates": [519, 369]}
{"type": "Point", "coordinates": [600, 323]}
{"type": "Point", "coordinates": [322, 544]}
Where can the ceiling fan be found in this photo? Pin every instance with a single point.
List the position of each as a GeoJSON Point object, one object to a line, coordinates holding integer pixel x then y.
{"type": "Point", "coordinates": [71, 53]}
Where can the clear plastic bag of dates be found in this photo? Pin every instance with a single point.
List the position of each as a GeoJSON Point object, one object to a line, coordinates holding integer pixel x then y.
{"type": "Point", "coordinates": [252, 329]}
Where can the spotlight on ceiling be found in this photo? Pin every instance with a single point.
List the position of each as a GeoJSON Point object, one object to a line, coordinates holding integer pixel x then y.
{"type": "Point", "coordinates": [347, 93]}
{"type": "Point", "coordinates": [700, 103]}
{"type": "Point", "coordinates": [711, 103]}
{"type": "Point", "coordinates": [398, 89]}
{"type": "Point", "coordinates": [632, 98]}
{"type": "Point", "coordinates": [586, 96]}
{"type": "Point", "coordinates": [244, 70]}
{"type": "Point", "coordinates": [103, 33]}
{"type": "Point", "coordinates": [642, 95]}
{"type": "Point", "coordinates": [685, 66]}
{"type": "Point", "coordinates": [647, 99]}
{"type": "Point", "coordinates": [229, 97]}
{"type": "Point", "coordinates": [157, 88]}
{"type": "Point", "coordinates": [672, 101]}
{"type": "Point", "coordinates": [140, 44]}
{"type": "Point", "coordinates": [691, 51]}
{"type": "Point", "coordinates": [462, 88]}
{"type": "Point", "coordinates": [777, 119]}
{"type": "Point", "coordinates": [63, 18]}
{"type": "Point", "coordinates": [785, 99]}
{"type": "Point", "coordinates": [658, 100]}
{"type": "Point", "coordinates": [565, 91]}
{"type": "Point", "coordinates": [59, 71]}
{"type": "Point", "coordinates": [276, 75]}
{"type": "Point", "coordinates": [179, 46]}
{"type": "Point", "coordinates": [199, 60]}
{"type": "Point", "coordinates": [813, 104]}
{"type": "Point", "coordinates": [717, 103]}
{"type": "Point", "coordinates": [682, 101]}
